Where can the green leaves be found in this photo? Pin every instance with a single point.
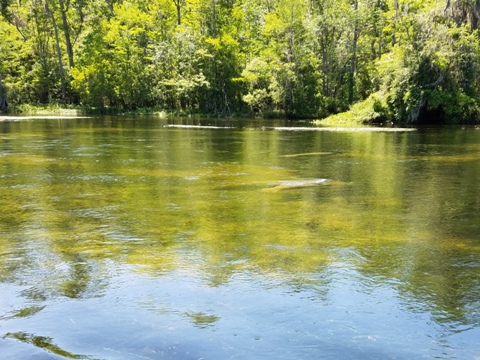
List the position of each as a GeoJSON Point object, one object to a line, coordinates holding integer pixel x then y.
{"type": "Point", "coordinates": [431, 79]}
{"type": "Point", "coordinates": [299, 58]}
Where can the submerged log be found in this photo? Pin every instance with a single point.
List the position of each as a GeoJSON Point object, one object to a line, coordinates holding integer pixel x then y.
{"type": "Point", "coordinates": [297, 184]}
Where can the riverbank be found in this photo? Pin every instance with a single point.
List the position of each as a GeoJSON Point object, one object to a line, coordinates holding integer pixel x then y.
{"type": "Point", "coordinates": [362, 113]}
{"type": "Point", "coordinates": [376, 110]}
{"type": "Point", "coordinates": [371, 111]}
{"type": "Point", "coordinates": [60, 110]}
{"type": "Point", "coordinates": [65, 110]}
{"type": "Point", "coordinates": [21, 118]}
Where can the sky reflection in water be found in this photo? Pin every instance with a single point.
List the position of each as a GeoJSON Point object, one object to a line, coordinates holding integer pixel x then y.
{"type": "Point", "coordinates": [124, 240]}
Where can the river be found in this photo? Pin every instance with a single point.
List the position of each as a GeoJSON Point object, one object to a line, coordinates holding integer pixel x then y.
{"type": "Point", "coordinates": [148, 238]}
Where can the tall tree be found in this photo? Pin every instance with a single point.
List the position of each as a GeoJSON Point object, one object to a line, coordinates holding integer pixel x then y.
{"type": "Point", "coordinates": [61, 69]}
{"type": "Point", "coordinates": [64, 5]}
{"type": "Point", "coordinates": [300, 58]}
{"type": "Point", "coordinates": [464, 12]}
{"type": "Point", "coordinates": [178, 7]}
{"type": "Point", "coordinates": [3, 96]}
{"type": "Point", "coordinates": [353, 55]}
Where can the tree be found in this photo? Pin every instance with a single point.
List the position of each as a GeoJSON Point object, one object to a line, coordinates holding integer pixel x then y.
{"type": "Point", "coordinates": [63, 7]}
{"type": "Point", "coordinates": [283, 75]}
{"type": "Point", "coordinates": [179, 71]}
{"type": "Point", "coordinates": [464, 12]}
{"type": "Point", "coordinates": [3, 96]}
{"type": "Point", "coordinates": [430, 76]}
{"type": "Point", "coordinates": [178, 6]}
{"type": "Point", "coordinates": [307, 58]}
{"type": "Point", "coordinates": [61, 69]}
{"type": "Point", "coordinates": [116, 66]}
{"type": "Point", "coordinates": [5, 8]}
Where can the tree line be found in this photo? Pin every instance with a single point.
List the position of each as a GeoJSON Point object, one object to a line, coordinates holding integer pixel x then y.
{"type": "Point", "coordinates": [409, 60]}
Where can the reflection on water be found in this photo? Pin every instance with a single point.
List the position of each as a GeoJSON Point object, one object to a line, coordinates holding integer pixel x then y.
{"type": "Point", "coordinates": [128, 239]}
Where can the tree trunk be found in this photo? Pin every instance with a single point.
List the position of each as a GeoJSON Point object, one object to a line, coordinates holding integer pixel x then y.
{"type": "Point", "coordinates": [353, 59]}
{"type": "Point", "coordinates": [3, 97]}
{"type": "Point", "coordinates": [395, 20]}
{"type": "Point", "coordinates": [110, 7]}
{"type": "Point", "coordinates": [465, 12]}
{"type": "Point", "coordinates": [415, 111]}
{"type": "Point", "coordinates": [214, 13]}
{"type": "Point", "coordinates": [178, 4]}
{"type": "Point", "coordinates": [475, 17]}
{"type": "Point", "coordinates": [66, 31]}
{"type": "Point", "coordinates": [59, 52]}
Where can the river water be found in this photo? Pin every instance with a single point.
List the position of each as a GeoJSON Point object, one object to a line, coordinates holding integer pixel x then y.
{"type": "Point", "coordinates": [136, 238]}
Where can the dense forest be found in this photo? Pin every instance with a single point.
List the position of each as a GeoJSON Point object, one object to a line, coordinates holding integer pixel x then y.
{"type": "Point", "coordinates": [404, 60]}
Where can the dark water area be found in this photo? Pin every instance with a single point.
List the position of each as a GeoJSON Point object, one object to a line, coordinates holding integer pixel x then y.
{"type": "Point", "coordinates": [147, 238]}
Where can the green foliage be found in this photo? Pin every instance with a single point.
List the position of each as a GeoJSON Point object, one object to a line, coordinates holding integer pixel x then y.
{"type": "Point", "coordinates": [113, 70]}
{"type": "Point", "coordinates": [263, 93]}
{"type": "Point", "coordinates": [178, 71]}
{"type": "Point", "coordinates": [453, 108]}
{"type": "Point", "coordinates": [222, 96]}
{"type": "Point", "coordinates": [5, 9]}
{"type": "Point", "coordinates": [295, 58]}
{"type": "Point", "coordinates": [371, 110]}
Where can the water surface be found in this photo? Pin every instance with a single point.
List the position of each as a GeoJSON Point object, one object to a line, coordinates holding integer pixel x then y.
{"type": "Point", "coordinates": [124, 238]}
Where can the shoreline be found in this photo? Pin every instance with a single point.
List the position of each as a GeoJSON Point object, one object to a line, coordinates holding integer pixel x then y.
{"type": "Point", "coordinates": [39, 117]}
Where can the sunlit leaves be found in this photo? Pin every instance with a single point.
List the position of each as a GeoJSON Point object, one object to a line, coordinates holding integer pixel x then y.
{"type": "Point", "coordinates": [417, 75]}
{"type": "Point", "coordinates": [299, 59]}
{"type": "Point", "coordinates": [115, 61]}
{"type": "Point", "coordinates": [179, 66]}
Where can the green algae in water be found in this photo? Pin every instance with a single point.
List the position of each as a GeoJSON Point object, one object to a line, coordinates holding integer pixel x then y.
{"type": "Point", "coordinates": [113, 228]}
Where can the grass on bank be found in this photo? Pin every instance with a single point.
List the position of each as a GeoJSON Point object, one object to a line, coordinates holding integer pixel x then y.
{"type": "Point", "coordinates": [366, 112]}
{"type": "Point", "coordinates": [75, 110]}
{"type": "Point", "coordinates": [49, 109]}
{"type": "Point", "coordinates": [72, 110]}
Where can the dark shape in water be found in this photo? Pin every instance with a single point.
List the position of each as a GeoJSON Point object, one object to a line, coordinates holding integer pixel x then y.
{"type": "Point", "coordinates": [297, 184]}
